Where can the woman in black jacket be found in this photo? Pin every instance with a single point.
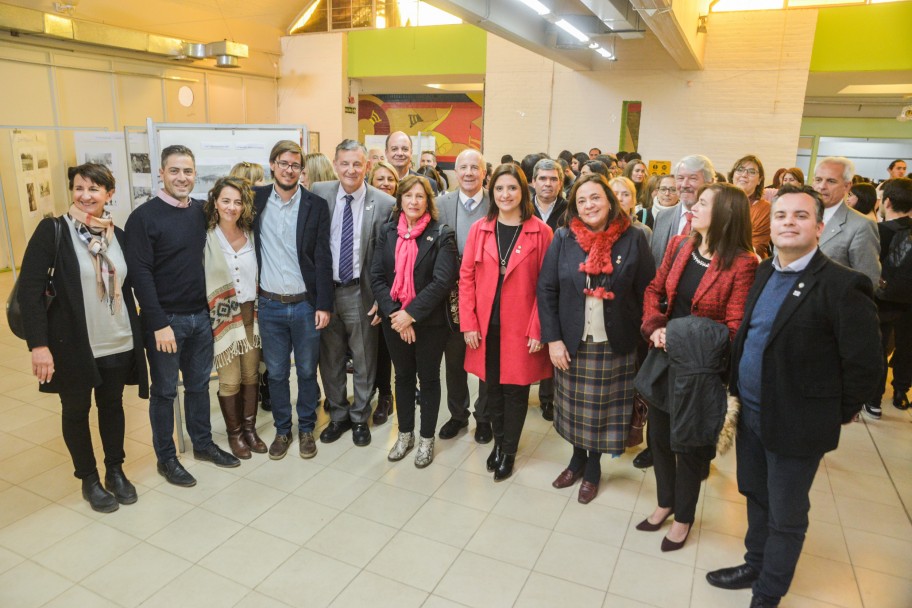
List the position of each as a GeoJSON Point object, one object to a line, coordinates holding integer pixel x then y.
{"type": "Point", "coordinates": [413, 270]}
{"type": "Point", "coordinates": [590, 302]}
{"type": "Point", "coordinates": [89, 339]}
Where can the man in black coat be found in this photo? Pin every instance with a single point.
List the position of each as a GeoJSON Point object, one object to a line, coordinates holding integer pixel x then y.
{"type": "Point", "coordinates": [295, 292]}
{"type": "Point", "coordinates": [807, 356]}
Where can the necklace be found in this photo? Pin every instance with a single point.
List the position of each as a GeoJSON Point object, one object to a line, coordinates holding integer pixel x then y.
{"type": "Point", "coordinates": [699, 260]}
{"type": "Point", "coordinates": [504, 258]}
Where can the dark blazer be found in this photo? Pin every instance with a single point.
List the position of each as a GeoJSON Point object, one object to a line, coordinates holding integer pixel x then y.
{"type": "Point", "coordinates": [720, 295]}
{"type": "Point", "coordinates": [561, 301]}
{"type": "Point", "coordinates": [314, 255]}
{"type": "Point", "coordinates": [822, 360]}
{"type": "Point", "coordinates": [556, 219]}
{"type": "Point", "coordinates": [436, 272]}
{"type": "Point", "coordinates": [62, 328]}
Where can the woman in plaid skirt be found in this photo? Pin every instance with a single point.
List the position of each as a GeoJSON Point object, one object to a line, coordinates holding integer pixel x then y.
{"type": "Point", "coordinates": [590, 298]}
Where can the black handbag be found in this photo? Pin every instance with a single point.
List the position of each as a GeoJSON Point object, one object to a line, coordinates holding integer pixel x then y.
{"type": "Point", "coordinates": [13, 311]}
{"type": "Point", "coordinates": [452, 303]}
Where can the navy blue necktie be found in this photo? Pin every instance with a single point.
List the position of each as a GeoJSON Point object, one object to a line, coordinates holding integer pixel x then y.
{"type": "Point", "coordinates": [346, 248]}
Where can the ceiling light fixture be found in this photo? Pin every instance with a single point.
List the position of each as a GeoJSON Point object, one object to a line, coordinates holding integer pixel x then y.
{"type": "Point", "coordinates": [567, 27]}
{"type": "Point", "coordinates": [537, 6]}
{"type": "Point", "coordinates": [604, 53]}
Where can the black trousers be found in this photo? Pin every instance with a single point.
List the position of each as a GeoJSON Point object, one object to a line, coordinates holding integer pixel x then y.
{"type": "Point", "coordinates": [457, 380]}
{"type": "Point", "coordinates": [896, 332]}
{"type": "Point", "coordinates": [421, 359]}
{"type": "Point", "coordinates": [678, 475]}
{"type": "Point", "coordinates": [776, 488]}
{"type": "Point", "coordinates": [115, 371]}
{"type": "Point", "coordinates": [384, 366]}
{"type": "Point", "coordinates": [507, 403]}
{"type": "Point", "coordinates": [546, 391]}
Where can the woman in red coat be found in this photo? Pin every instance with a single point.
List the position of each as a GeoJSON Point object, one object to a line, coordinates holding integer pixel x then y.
{"type": "Point", "coordinates": [707, 274]}
{"type": "Point", "coordinates": [498, 309]}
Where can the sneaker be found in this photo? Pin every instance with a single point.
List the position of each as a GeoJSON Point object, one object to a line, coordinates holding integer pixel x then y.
{"type": "Point", "coordinates": [404, 444]}
{"type": "Point", "coordinates": [425, 454]}
{"type": "Point", "coordinates": [900, 400]}
{"type": "Point", "coordinates": [871, 410]}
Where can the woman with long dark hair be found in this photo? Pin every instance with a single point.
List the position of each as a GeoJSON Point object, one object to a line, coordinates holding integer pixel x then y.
{"type": "Point", "coordinates": [708, 274]}
{"type": "Point", "coordinates": [498, 310]}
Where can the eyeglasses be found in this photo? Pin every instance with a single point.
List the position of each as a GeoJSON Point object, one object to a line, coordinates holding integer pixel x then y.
{"type": "Point", "coordinates": [748, 170]}
{"type": "Point", "coordinates": [284, 165]}
{"type": "Point", "coordinates": [668, 190]}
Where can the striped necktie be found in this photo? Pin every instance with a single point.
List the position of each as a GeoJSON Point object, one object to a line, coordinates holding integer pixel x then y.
{"type": "Point", "coordinates": [347, 246]}
{"type": "Point", "coordinates": [468, 204]}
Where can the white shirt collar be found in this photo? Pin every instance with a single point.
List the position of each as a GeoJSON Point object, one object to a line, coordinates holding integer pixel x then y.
{"type": "Point", "coordinates": [359, 194]}
{"type": "Point", "coordinates": [476, 198]}
{"type": "Point", "coordinates": [829, 212]}
{"type": "Point", "coordinates": [798, 265]}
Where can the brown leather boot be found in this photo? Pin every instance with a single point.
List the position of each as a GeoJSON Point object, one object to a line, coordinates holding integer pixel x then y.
{"type": "Point", "coordinates": [231, 412]}
{"type": "Point", "coordinates": [249, 413]}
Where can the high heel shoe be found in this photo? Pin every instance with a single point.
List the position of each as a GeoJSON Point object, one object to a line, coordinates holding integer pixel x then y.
{"type": "Point", "coordinates": [671, 545]}
{"type": "Point", "coordinates": [648, 526]}
{"type": "Point", "coordinates": [505, 467]}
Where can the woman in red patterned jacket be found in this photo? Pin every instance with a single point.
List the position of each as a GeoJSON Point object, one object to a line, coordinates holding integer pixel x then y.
{"type": "Point", "coordinates": [707, 273]}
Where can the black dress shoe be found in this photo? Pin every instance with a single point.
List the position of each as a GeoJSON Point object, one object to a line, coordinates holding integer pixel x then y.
{"type": "Point", "coordinates": [547, 411]}
{"type": "Point", "coordinates": [483, 433]}
{"type": "Point", "coordinates": [900, 400]}
{"type": "Point", "coordinates": [217, 456]}
{"type": "Point", "coordinates": [759, 602]}
{"type": "Point", "coordinates": [493, 460]}
{"type": "Point", "coordinates": [505, 468]}
{"type": "Point", "coordinates": [335, 430]}
{"type": "Point", "coordinates": [643, 460]}
{"type": "Point", "coordinates": [175, 473]}
{"type": "Point", "coordinates": [452, 427]}
{"type": "Point", "coordinates": [117, 484]}
{"type": "Point", "coordinates": [361, 434]}
{"type": "Point", "coordinates": [738, 577]}
{"type": "Point", "coordinates": [98, 498]}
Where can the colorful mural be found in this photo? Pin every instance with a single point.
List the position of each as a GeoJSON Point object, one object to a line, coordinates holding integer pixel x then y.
{"type": "Point", "coordinates": [453, 120]}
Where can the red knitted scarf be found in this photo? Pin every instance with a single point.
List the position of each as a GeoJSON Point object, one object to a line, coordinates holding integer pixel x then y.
{"type": "Point", "coordinates": [597, 246]}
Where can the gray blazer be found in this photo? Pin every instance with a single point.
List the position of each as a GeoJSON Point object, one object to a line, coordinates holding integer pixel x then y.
{"type": "Point", "coordinates": [377, 208]}
{"type": "Point", "coordinates": [852, 239]}
{"type": "Point", "coordinates": [447, 209]}
{"type": "Point", "coordinates": [665, 228]}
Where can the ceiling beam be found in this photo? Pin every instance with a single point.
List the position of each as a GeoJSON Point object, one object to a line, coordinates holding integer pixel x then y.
{"type": "Point", "coordinates": [514, 22]}
{"type": "Point", "coordinates": [671, 24]}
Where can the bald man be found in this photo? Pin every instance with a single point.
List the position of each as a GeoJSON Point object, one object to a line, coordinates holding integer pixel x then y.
{"type": "Point", "coordinates": [399, 155]}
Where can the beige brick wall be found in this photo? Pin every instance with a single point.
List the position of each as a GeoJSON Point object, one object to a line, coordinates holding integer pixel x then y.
{"type": "Point", "coordinates": [748, 99]}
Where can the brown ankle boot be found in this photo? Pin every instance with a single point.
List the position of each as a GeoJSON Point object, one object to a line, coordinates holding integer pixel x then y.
{"type": "Point", "coordinates": [248, 398]}
{"type": "Point", "coordinates": [231, 412]}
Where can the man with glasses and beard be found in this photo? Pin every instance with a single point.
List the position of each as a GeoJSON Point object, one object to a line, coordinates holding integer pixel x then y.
{"type": "Point", "coordinates": [291, 233]}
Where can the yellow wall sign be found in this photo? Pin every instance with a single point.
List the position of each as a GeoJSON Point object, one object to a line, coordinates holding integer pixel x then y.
{"type": "Point", "coordinates": [660, 167]}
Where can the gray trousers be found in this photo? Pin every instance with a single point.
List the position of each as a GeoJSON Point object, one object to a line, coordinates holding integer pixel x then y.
{"type": "Point", "coordinates": [457, 382]}
{"type": "Point", "coordinates": [349, 328]}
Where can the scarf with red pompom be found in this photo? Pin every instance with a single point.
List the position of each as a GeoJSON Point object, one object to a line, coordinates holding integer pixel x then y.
{"type": "Point", "coordinates": [403, 287]}
{"type": "Point", "coordinates": [598, 247]}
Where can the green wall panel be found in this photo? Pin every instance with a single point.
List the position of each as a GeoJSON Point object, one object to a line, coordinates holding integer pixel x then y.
{"type": "Point", "coordinates": [863, 38]}
{"type": "Point", "coordinates": [417, 51]}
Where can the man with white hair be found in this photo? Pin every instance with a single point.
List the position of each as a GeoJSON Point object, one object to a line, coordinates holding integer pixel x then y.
{"type": "Point", "coordinates": [691, 173]}
{"type": "Point", "coordinates": [459, 210]}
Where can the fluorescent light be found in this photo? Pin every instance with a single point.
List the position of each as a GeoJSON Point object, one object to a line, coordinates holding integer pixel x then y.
{"type": "Point", "coordinates": [457, 86]}
{"type": "Point", "coordinates": [604, 53]}
{"type": "Point", "coordinates": [877, 89]}
{"type": "Point", "coordinates": [537, 6]}
{"type": "Point", "coordinates": [565, 25]}
{"type": "Point", "coordinates": [594, 45]}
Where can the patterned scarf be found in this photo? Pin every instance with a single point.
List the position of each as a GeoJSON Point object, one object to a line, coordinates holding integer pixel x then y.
{"type": "Point", "coordinates": [403, 288]}
{"type": "Point", "coordinates": [97, 233]}
{"type": "Point", "coordinates": [598, 246]}
{"type": "Point", "coordinates": [229, 335]}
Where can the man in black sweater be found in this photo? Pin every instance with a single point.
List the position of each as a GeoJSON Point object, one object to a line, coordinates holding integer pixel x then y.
{"type": "Point", "coordinates": [165, 241]}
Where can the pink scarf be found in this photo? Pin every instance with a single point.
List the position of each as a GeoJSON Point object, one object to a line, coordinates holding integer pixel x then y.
{"type": "Point", "coordinates": [403, 289]}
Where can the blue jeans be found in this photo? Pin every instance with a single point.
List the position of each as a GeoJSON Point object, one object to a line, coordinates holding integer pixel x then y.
{"type": "Point", "coordinates": [193, 334]}
{"type": "Point", "coordinates": [285, 328]}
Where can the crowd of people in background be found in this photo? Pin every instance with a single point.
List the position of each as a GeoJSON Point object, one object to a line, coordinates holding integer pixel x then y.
{"type": "Point", "coordinates": [627, 297]}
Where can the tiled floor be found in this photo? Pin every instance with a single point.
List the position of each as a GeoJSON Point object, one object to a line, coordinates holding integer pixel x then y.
{"type": "Point", "coordinates": [349, 528]}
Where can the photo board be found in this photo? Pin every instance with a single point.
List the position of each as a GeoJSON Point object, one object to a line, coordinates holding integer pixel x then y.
{"type": "Point", "coordinates": [129, 165]}
{"type": "Point", "coordinates": [217, 148]}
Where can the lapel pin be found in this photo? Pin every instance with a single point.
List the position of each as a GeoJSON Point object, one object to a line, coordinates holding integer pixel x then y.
{"type": "Point", "coordinates": [796, 293]}
{"type": "Point", "coordinates": [800, 285]}
{"type": "Point", "coordinates": [618, 261]}
{"type": "Point", "coordinates": [430, 238]}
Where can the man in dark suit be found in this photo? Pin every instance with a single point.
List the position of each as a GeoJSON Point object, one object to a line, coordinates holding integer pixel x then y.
{"type": "Point", "coordinates": [399, 155]}
{"type": "Point", "coordinates": [549, 206]}
{"type": "Point", "coordinates": [357, 211]}
{"type": "Point", "coordinates": [291, 232]}
{"type": "Point", "coordinates": [805, 359]}
{"type": "Point", "coordinates": [691, 173]}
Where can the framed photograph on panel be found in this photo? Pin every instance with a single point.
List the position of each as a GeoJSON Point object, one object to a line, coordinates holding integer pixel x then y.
{"type": "Point", "coordinates": [313, 142]}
